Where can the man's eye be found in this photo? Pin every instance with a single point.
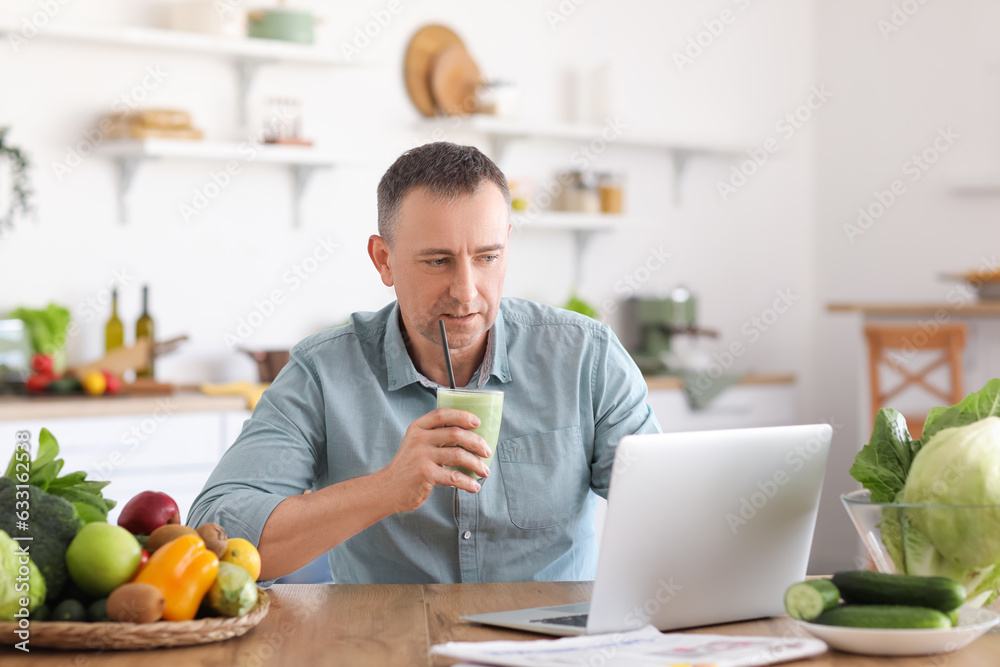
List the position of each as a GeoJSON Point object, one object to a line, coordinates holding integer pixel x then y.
{"type": "Point", "coordinates": [437, 262]}
{"type": "Point", "coordinates": [490, 258]}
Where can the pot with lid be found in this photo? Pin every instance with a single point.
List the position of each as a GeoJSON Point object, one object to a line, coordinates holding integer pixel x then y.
{"type": "Point", "coordinates": [269, 362]}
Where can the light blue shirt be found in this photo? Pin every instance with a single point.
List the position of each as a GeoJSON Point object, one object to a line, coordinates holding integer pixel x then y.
{"type": "Point", "coordinates": [339, 410]}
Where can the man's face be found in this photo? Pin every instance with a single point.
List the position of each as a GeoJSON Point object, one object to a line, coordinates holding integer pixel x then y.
{"type": "Point", "coordinates": [448, 261]}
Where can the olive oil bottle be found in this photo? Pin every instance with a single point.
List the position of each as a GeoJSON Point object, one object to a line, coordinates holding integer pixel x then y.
{"type": "Point", "coordinates": [144, 329]}
{"type": "Point", "coordinates": [114, 332]}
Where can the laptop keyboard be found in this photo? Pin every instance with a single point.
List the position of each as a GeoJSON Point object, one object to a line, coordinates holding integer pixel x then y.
{"type": "Point", "coordinates": [576, 620]}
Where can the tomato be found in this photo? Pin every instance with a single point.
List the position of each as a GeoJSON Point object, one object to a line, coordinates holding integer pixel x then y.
{"type": "Point", "coordinates": [42, 364]}
{"type": "Point", "coordinates": [113, 382]}
{"type": "Point", "coordinates": [37, 384]}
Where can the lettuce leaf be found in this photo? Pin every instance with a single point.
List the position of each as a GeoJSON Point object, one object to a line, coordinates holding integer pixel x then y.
{"type": "Point", "coordinates": [883, 464]}
{"type": "Point", "coordinates": [978, 405]}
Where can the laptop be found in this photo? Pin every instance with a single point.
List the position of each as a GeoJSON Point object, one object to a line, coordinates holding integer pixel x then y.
{"type": "Point", "coordinates": [702, 528]}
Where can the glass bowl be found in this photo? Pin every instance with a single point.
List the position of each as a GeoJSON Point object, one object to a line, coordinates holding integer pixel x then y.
{"type": "Point", "coordinates": [907, 549]}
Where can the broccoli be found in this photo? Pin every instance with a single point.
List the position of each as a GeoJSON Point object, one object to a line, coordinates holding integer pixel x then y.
{"type": "Point", "coordinates": [52, 523]}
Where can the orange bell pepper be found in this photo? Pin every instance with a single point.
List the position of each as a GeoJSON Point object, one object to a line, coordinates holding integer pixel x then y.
{"type": "Point", "coordinates": [183, 570]}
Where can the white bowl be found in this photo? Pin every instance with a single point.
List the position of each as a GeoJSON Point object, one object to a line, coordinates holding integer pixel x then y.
{"type": "Point", "coordinates": [972, 624]}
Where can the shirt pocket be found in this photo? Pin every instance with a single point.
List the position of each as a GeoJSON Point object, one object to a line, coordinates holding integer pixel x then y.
{"type": "Point", "coordinates": [546, 477]}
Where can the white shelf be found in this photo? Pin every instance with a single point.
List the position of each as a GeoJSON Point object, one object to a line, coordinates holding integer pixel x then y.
{"type": "Point", "coordinates": [564, 221]}
{"type": "Point", "coordinates": [501, 132]}
{"type": "Point", "coordinates": [303, 161]}
{"type": "Point", "coordinates": [583, 226]}
{"type": "Point", "coordinates": [502, 128]}
{"type": "Point", "coordinates": [253, 49]}
{"type": "Point", "coordinates": [218, 150]}
{"type": "Point", "coordinates": [248, 54]}
{"type": "Point", "coordinates": [985, 183]}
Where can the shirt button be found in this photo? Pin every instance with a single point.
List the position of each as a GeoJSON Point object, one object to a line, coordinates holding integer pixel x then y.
{"type": "Point", "coordinates": [466, 535]}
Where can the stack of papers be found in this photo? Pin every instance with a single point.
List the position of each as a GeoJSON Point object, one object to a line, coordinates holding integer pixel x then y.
{"type": "Point", "coordinates": [639, 648]}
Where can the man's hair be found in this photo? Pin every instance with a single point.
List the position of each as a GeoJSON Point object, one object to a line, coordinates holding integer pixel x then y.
{"type": "Point", "coordinates": [445, 169]}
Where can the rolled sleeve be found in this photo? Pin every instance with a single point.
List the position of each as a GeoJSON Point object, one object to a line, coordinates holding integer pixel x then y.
{"type": "Point", "coordinates": [277, 455]}
{"type": "Point", "coordinates": [620, 407]}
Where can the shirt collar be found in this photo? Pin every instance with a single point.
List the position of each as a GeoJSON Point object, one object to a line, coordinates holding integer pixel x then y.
{"type": "Point", "coordinates": [400, 369]}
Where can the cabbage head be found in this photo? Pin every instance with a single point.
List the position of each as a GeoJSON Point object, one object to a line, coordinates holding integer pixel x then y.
{"type": "Point", "coordinates": [14, 585]}
{"type": "Point", "coordinates": [959, 466]}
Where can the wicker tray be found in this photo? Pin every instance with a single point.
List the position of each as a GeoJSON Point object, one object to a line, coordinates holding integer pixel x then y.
{"type": "Point", "coordinates": [119, 636]}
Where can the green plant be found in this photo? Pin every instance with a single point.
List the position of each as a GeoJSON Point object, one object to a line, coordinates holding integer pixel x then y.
{"type": "Point", "coordinates": [21, 190]}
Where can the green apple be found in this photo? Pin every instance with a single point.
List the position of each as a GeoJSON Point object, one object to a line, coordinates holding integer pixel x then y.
{"type": "Point", "coordinates": [102, 557]}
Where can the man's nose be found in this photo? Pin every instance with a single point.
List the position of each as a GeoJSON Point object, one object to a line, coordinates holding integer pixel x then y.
{"type": "Point", "coordinates": [463, 284]}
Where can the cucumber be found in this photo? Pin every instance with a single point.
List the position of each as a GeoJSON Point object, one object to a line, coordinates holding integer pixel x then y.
{"type": "Point", "coordinates": [884, 616]}
{"type": "Point", "coordinates": [808, 599]}
{"type": "Point", "coordinates": [865, 587]}
{"type": "Point", "coordinates": [69, 610]}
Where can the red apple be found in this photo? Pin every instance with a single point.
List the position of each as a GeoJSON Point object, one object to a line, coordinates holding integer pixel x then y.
{"type": "Point", "coordinates": [147, 511]}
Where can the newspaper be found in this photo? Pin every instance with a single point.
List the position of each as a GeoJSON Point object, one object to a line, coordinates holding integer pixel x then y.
{"type": "Point", "coordinates": [639, 648]}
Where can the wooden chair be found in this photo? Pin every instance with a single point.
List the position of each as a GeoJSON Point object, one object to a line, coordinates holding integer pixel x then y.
{"type": "Point", "coordinates": [948, 338]}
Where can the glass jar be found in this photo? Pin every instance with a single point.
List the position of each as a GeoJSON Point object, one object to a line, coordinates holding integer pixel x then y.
{"type": "Point", "coordinates": [610, 186]}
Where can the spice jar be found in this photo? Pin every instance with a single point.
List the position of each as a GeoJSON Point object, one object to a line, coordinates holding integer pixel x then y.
{"type": "Point", "coordinates": [611, 191]}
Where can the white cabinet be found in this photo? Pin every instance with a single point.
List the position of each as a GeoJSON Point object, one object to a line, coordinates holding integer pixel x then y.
{"type": "Point", "coordinates": [160, 451]}
{"type": "Point", "coordinates": [740, 406]}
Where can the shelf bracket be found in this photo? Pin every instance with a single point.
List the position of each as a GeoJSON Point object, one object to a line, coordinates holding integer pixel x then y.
{"type": "Point", "coordinates": [581, 239]}
{"type": "Point", "coordinates": [680, 159]}
{"type": "Point", "coordinates": [246, 72]}
{"type": "Point", "coordinates": [302, 174]}
{"type": "Point", "coordinates": [127, 166]}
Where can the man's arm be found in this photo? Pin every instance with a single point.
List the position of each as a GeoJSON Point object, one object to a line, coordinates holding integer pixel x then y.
{"type": "Point", "coordinates": [620, 407]}
{"type": "Point", "coordinates": [290, 538]}
{"type": "Point", "coordinates": [256, 491]}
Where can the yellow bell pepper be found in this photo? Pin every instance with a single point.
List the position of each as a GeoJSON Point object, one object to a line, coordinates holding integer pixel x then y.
{"type": "Point", "coordinates": [183, 570]}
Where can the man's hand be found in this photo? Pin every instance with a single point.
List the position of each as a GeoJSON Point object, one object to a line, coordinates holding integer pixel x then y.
{"type": "Point", "coordinates": [440, 438]}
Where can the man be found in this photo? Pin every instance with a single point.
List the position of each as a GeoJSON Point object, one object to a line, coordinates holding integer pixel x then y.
{"type": "Point", "coordinates": [353, 415]}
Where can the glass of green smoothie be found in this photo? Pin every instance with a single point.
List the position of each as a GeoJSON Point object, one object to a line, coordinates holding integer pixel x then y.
{"type": "Point", "coordinates": [485, 404]}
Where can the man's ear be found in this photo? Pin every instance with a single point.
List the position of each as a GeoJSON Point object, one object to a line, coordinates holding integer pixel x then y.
{"type": "Point", "coordinates": [378, 250]}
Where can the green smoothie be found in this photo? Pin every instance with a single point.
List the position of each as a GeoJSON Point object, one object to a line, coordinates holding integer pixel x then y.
{"type": "Point", "coordinates": [487, 405]}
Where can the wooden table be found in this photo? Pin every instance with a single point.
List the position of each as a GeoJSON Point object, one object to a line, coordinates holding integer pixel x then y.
{"type": "Point", "coordinates": [393, 625]}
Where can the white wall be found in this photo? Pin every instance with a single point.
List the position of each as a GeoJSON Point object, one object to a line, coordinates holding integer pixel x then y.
{"type": "Point", "coordinates": [894, 90]}
{"type": "Point", "coordinates": [735, 255]}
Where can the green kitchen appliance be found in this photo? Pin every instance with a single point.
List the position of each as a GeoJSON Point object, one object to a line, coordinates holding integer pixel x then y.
{"type": "Point", "coordinates": [654, 322]}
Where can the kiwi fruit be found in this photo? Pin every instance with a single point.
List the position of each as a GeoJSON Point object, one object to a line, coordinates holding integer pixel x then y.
{"type": "Point", "coordinates": [136, 603]}
{"type": "Point", "coordinates": [165, 534]}
{"type": "Point", "coordinates": [215, 538]}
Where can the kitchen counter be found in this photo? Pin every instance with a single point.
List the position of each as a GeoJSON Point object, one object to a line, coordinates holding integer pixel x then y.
{"type": "Point", "coordinates": [58, 407]}
{"type": "Point", "coordinates": [962, 308]}
{"type": "Point", "coordinates": [189, 399]}
{"type": "Point", "coordinates": [675, 382]}
{"type": "Point", "coordinates": [388, 625]}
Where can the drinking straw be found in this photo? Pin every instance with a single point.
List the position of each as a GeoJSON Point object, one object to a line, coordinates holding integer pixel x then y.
{"type": "Point", "coordinates": [447, 354]}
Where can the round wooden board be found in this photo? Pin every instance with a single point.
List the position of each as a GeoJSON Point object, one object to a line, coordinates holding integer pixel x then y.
{"type": "Point", "coordinates": [424, 47]}
{"type": "Point", "coordinates": [455, 79]}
